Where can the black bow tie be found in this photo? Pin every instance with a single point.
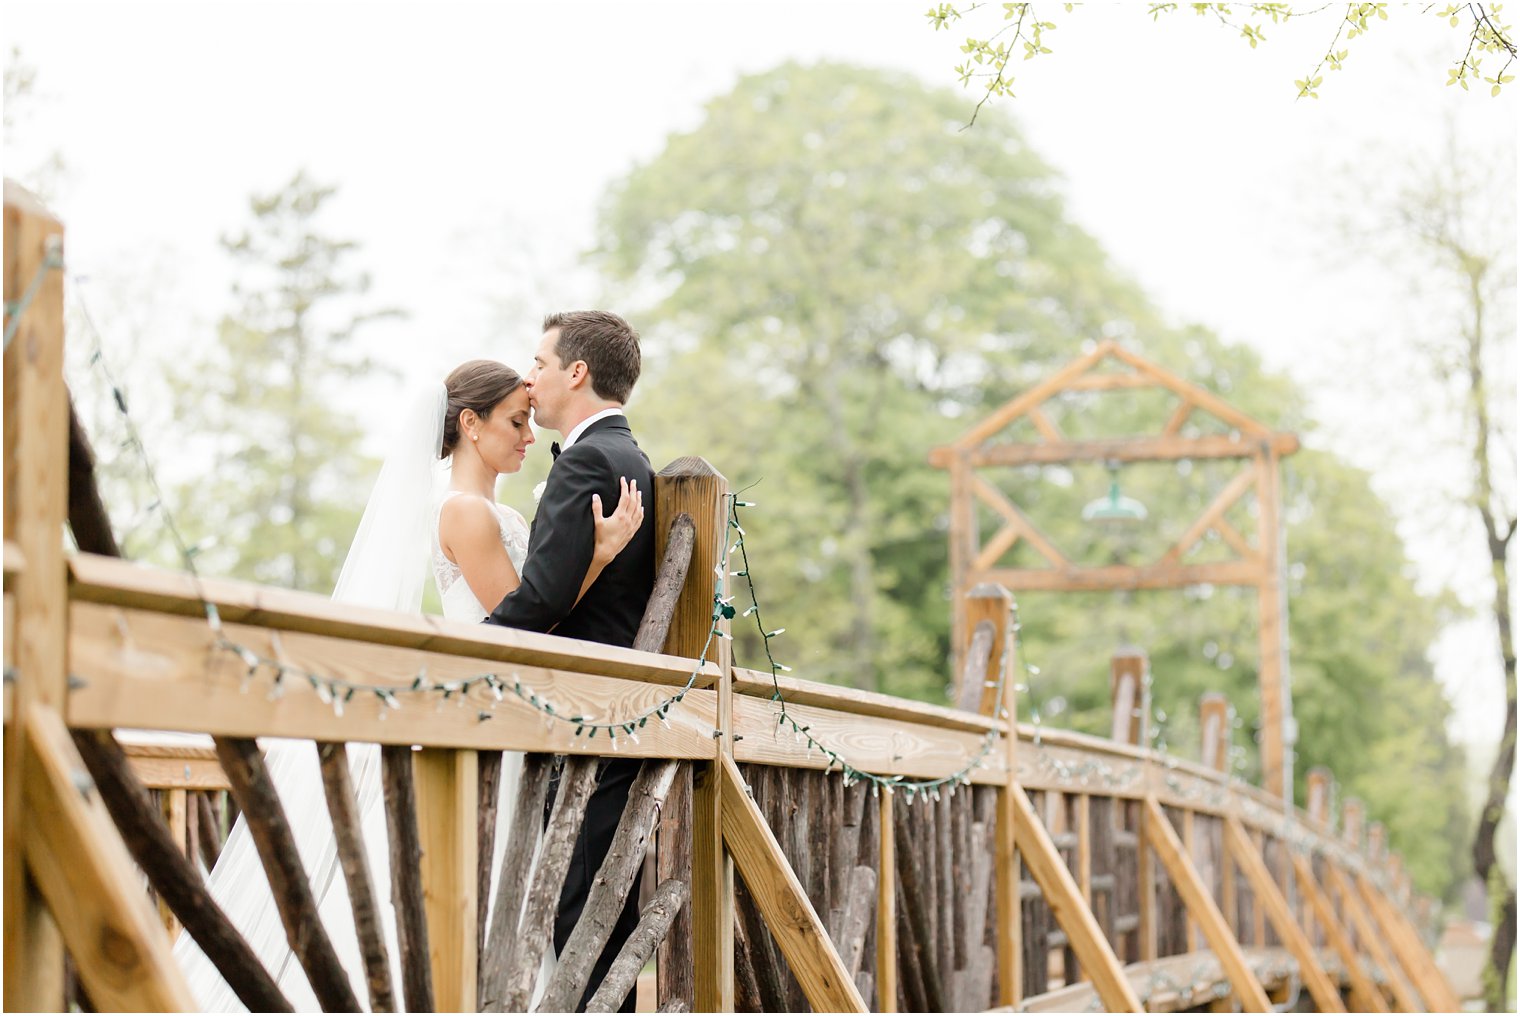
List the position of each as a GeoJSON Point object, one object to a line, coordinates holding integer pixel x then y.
{"type": "Point", "coordinates": [554, 449]}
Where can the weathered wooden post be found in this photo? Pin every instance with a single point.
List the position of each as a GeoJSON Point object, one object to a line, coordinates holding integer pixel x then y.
{"type": "Point", "coordinates": [36, 450]}
{"type": "Point", "coordinates": [991, 605]}
{"type": "Point", "coordinates": [696, 960]}
{"type": "Point", "coordinates": [1318, 805]}
{"type": "Point", "coordinates": [1129, 685]}
{"type": "Point", "coordinates": [1377, 843]}
{"type": "Point", "coordinates": [1353, 814]}
{"type": "Point", "coordinates": [1214, 723]}
{"type": "Point", "coordinates": [1130, 693]}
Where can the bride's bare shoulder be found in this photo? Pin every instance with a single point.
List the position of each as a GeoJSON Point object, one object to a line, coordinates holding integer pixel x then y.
{"type": "Point", "coordinates": [466, 515]}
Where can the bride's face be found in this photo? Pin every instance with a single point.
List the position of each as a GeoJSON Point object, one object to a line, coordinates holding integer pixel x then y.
{"type": "Point", "coordinates": [504, 435]}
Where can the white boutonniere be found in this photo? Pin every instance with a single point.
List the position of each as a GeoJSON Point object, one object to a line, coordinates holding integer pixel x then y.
{"type": "Point", "coordinates": [538, 492]}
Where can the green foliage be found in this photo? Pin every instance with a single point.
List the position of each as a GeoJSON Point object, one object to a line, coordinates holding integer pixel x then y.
{"type": "Point", "coordinates": [282, 500]}
{"type": "Point", "coordinates": [1022, 33]}
{"type": "Point", "coordinates": [838, 279]}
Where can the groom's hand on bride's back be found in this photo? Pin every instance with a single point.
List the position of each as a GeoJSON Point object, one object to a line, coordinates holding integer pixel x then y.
{"type": "Point", "coordinates": [615, 530]}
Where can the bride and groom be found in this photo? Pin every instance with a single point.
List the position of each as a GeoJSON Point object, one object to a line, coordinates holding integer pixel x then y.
{"type": "Point", "coordinates": [574, 572]}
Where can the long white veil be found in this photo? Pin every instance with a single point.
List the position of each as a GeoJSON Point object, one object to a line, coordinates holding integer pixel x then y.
{"type": "Point", "coordinates": [386, 567]}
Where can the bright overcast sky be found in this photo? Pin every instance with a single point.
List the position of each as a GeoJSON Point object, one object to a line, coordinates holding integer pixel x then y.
{"type": "Point", "coordinates": [472, 142]}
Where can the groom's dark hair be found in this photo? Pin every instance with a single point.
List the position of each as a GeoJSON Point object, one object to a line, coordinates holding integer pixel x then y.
{"type": "Point", "coordinates": [608, 345]}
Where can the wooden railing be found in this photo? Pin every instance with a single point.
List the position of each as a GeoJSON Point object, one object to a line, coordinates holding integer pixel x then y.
{"type": "Point", "coordinates": [1067, 871]}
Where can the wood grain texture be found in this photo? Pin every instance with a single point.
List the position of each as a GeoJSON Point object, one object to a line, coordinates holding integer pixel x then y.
{"type": "Point", "coordinates": [669, 897]}
{"type": "Point", "coordinates": [1326, 996]}
{"type": "Point", "coordinates": [1368, 938]}
{"type": "Point", "coordinates": [172, 876]}
{"type": "Point", "coordinates": [857, 702]}
{"type": "Point", "coordinates": [36, 449]}
{"type": "Point", "coordinates": [785, 906]}
{"type": "Point", "coordinates": [161, 681]}
{"type": "Point", "coordinates": [1201, 907]}
{"type": "Point", "coordinates": [880, 746]}
{"type": "Point", "coordinates": [1407, 947]}
{"type": "Point", "coordinates": [1065, 899]}
{"type": "Point", "coordinates": [712, 899]}
{"type": "Point", "coordinates": [448, 797]}
{"type": "Point", "coordinates": [104, 580]}
{"type": "Point", "coordinates": [399, 783]}
{"type": "Point", "coordinates": [267, 824]}
{"type": "Point", "coordinates": [1364, 994]}
{"type": "Point", "coordinates": [673, 859]}
{"type": "Point", "coordinates": [84, 873]}
{"type": "Point", "coordinates": [348, 836]}
{"type": "Point", "coordinates": [609, 890]}
{"type": "Point", "coordinates": [512, 885]}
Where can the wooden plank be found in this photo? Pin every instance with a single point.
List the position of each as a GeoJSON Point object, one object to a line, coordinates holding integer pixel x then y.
{"type": "Point", "coordinates": [1200, 905]}
{"type": "Point", "coordinates": [1145, 870]}
{"type": "Point", "coordinates": [1237, 542]}
{"type": "Point", "coordinates": [995, 499]}
{"type": "Point", "coordinates": [1082, 805]}
{"type": "Point", "coordinates": [1150, 576]}
{"type": "Point", "coordinates": [1272, 637]}
{"type": "Point", "coordinates": [348, 840]}
{"type": "Point", "coordinates": [447, 799]}
{"type": "Point", "coordinates": [1214, 728]}
{"type": "Point", "coordinates": [1065, 900]}
{"type": "Point", "coordinates": [89, 882]}
{"type": "Point", "coordinates": [1021, 404]}
{"type": "Point", "coordinates": [963, 539]}
{"type": "Point", "coordinates": [875, 745]}
{"type": "Point", "coordinates": [161, 678]}
{"type": "Point", "coordinates": [35, 507]}
{"type": "Point", "coordinates": [1190, 847]}
{"type": "Point", "coordinates": [1227, 496]}
{"type": "Point", "coordinates": [181, 774]}
{"type": "Point", "coordinates": [172, 808]}
{"type": "Point", "coordinates": [1047, 427]}
{"type": "Point", "coordinates": [673, 859]}
{"type": "Point", "coordinates": [1411, 952]}
{"type": "Point", "coordinates": [692, 486]}
{"type": "Point", "coordinates": [1326, 996]}
{"type": "Point", "coordinates": [1401, 992]}
{"type": "Point", "coordinates": [712, 900]}
{"type": "Point", "coordinates": [788, 912]}
{"type": "Point", "coordinates": [104, 580]}
{"type": "Point", "coordinates": [858, 702]}
{"type": "Point", "coordinates": [992, 552]}
{"type": "Point", "coordinates": [886, 909]}
{"type": "Point", "coordinates": [1108, 382]}
{"type": "Point", "coordinates": [1129, 672]}
{"type": "Point", "coordinates": [1178, 418]}
{"type": "Point", "coordinates": [1364, 994]}
{"type": "Point", "coordinates": [1199, 396]}
{"type": "Point", "coordinates": [1115, 449]}
{"type": "Point", "coordinates": [994, 605]}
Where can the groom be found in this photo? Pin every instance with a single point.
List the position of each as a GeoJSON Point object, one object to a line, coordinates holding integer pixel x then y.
{"type": "Point", "coordinates": [583, 373]}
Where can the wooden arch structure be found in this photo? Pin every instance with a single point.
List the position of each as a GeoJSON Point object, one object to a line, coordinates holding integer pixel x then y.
{"type": "Point", "coordinates": [1057, 872]}
{"type": "Point", "coordinates": [974, 561]}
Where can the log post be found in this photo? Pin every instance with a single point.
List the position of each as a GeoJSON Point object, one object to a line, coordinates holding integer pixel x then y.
{"type": "Point", "coordinates": [1377, 843]}
{"type": "Point", "coordinates": [1353, 814]}
{"type": "Point", "coordinates": [1318, 804]}
{"type": "Point", "coordinates": [695, 961]}
{"type": "Point", "coordinates": [1129, 686]}
{"type": "Point", "coordinates": [993, 603]}
{"type": "Point", "coordinates": [36, 479]}
{"type": "Point", "coordinates": [1278, 730]}
{"type": "Point", "coordinates": [1214, 723]}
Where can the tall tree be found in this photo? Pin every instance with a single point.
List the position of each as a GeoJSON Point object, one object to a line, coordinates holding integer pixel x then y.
{"type": "Point", "coordinates": [1458, 221]}
{"type": "Point", "coordinates": [836, 279]}
{"type": "Point", "coordinates": [268, 397]}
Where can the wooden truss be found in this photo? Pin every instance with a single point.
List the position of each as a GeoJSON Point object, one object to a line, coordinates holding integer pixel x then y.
{"type": "Point", "coordinates": [974, 560]}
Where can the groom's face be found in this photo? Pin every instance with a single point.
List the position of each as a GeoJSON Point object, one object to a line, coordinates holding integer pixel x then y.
{"type": "Point", "coordinates": [548, 383]}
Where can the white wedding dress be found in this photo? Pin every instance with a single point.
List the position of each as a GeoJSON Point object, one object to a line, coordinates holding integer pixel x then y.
{"type": "Point", "coordinates": [238, 883]}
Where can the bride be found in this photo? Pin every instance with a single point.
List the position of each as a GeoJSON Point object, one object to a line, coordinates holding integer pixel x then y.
{"type": "Point", "coordinates": [477, 420]}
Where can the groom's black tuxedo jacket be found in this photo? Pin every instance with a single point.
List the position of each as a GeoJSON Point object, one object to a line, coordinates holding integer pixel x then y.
{"type": "Point", "coordinates": [563, 537]}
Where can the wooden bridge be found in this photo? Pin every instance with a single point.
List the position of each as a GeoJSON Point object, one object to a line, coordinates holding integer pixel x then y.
{"type": "Point", "coordinates": [1050, 871]}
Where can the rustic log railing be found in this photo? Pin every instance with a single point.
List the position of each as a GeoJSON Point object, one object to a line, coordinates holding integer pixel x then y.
{"type": "Point", "coordinates": [1067, 872]}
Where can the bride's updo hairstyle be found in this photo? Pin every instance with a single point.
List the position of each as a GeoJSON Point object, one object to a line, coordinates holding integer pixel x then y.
{"type": "Point", "coordinates": [479, 385]}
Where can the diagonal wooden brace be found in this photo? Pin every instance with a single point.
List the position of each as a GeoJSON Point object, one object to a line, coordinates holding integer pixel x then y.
{"type": "Point", "coordinates": [1364, 993]}
{"type": "Point", "coordinates": [788, 912]}
{"type": "Point", "coordinates": [1201, 907]}
{"type": "Point", "coordinates": [1071, 911]}
{"type": "Point", "coordinates": [89, 883]}
{"type": "Point", "coordinates": [1326, 996]}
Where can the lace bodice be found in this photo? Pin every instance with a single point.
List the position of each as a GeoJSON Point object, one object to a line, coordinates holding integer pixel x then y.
{"type": "Point", "coordinates": [459, 603]}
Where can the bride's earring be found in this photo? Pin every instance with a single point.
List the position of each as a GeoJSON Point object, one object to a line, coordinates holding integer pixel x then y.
{"type": "Point", "coordinates": [474, 437]}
